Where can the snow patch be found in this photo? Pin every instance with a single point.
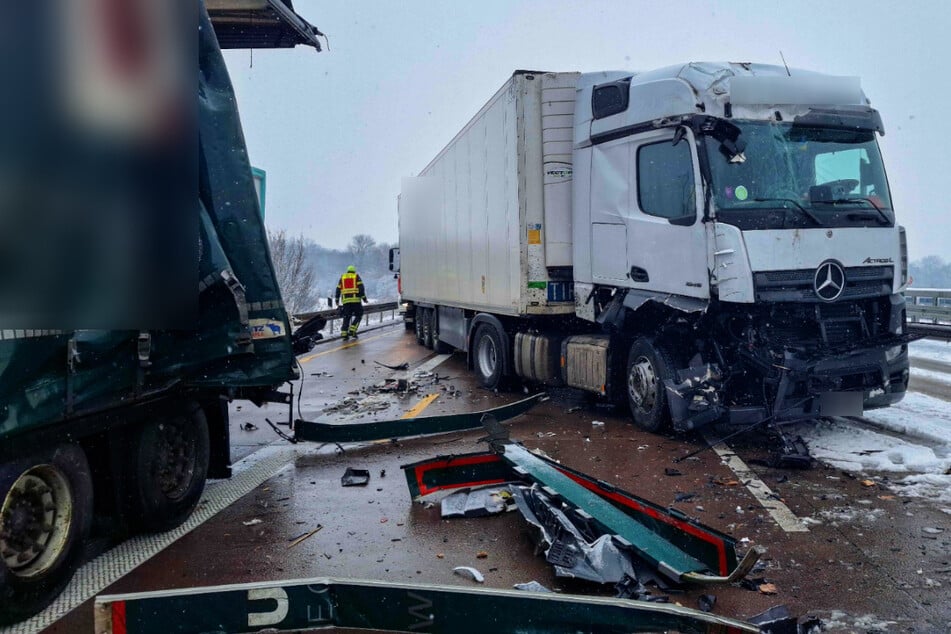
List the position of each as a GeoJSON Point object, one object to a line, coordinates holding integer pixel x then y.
{"type": "Point", "coordinates": [931, 349]}
{"type": "Point", "coordinates": [856, 449]}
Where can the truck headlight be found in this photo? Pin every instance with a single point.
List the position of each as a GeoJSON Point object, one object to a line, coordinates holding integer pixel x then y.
{"type": "Point", "coordinates": [892, 353]}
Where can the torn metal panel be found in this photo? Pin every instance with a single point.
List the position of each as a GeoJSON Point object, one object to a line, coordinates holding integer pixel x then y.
{"type": "Point", "coordinates": [573, 554]}
{"type": "Point", "coordinates": [289, 606]}
{"type": "Point", "coordinates": [715, 550]}
{"type": "Point", "coordinates": [479, 502]}
{"type": "Point", "coordinates": [635, 298]}
{"type": "Point", "coordinates": [657, 551]}
{"type": "Point", "coordinates": [405, 427]}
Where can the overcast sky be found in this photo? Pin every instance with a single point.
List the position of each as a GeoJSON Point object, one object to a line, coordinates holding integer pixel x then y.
{"type": "Point", "coordinates": [337, 130]}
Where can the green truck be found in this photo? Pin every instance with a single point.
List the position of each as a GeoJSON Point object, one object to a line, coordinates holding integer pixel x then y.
{"type": "Point", "coordinates": [105, 433]}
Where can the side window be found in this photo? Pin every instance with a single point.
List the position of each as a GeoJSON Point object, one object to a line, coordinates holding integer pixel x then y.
{"type": "Point", "coordinates": [665, 185]}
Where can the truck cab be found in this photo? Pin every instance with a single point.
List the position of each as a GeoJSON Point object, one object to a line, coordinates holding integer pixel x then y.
{"type": "Point", "coordinates": [738, 216]}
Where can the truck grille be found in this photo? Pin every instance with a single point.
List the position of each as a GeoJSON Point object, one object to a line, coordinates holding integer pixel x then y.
{"type": "Point", "coordinates": [861, 282]}
{"type": "Point", "coordinates": [836, 325]}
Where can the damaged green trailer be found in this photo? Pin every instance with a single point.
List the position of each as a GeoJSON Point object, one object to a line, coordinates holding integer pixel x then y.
{"type": "Point", "coordinates": [104, 433]}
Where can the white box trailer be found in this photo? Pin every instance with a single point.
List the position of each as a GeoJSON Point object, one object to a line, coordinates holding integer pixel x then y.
{"type": "Point", "coordinates": [487, 224]}
{"type": "Point", "coordinates": [711, 242]}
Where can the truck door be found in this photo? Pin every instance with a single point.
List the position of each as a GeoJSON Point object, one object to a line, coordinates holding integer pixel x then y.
{"type": "Point", "coordinates": [666, 240]}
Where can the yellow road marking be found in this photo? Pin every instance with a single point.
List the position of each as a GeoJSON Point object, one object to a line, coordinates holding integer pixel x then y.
{"type": "Point", "coordinates": [343, 347]}
{"type": "Point", "coordinates": [419, 407]}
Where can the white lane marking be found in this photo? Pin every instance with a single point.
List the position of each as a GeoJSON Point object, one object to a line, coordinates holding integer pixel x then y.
{"type": "Point", "coordinates": [786, 519]}
{"type": "Point", "coordinates": [96, 575]}
{"type": "Point", "coordinates": [427, 366]}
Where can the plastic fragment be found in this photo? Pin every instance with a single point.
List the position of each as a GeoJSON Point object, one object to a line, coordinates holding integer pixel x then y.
{"type": "Point", "coordinates": [531, 586]}
{"type": "Point", "coordinates": [470, 572]}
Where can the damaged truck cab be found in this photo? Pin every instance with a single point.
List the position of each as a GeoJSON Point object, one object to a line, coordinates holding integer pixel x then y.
{"type": "Point", "coordinates": [710, 242]}
{"type": "Point", "coordinates": [738, 218]}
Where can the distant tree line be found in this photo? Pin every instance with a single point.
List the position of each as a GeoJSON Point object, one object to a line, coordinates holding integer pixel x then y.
{"type": "Point", "coordinates": [930, 272]}
{"type": "Point", "coordinates": [308, 273]}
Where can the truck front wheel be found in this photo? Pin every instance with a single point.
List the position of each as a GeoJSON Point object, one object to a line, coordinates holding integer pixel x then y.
{"type": "Point", "coordinates": [45, 520]}
{"type": "Point", "coordinates": [648, 367]}
{"type": "Point", "coordinates": [167, 467]}
{"type": "Point", "coordinates": [488, 356]}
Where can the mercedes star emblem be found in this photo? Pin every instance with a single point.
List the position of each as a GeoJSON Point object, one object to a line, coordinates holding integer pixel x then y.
{"type": "Point", "coordinates": [829, 281]}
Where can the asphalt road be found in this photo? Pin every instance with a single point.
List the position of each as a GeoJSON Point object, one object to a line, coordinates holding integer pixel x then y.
{"type": "Point", "coordinates": [849, 551]}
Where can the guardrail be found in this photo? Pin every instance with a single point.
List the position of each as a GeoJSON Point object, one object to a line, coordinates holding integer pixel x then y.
{"type": "Point", "coordinates": [929, 311]}
{"type": "Point", "coordinates": [332, 315]}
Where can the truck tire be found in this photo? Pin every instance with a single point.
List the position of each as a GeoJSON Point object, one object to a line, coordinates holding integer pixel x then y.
{"type": "Point", "coordinates": [45, 518]}
{"type": "Point", "coordinates": [489, 356]}
{"type": "Point", "coordinates": [418, 324]}
{"type": "Point", "coordinates": [167, 467]}
{"type": "Point", "coordinates": [648, 366]}
{"type": "Point", "coordinates": [428, 323]}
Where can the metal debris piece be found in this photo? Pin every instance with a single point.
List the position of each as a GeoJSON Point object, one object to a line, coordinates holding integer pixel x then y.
{"type": "Point", "coordinates": [249, 427]}
{"type": "Point", "coordinates": [470, 572]}
{"type": "Point", "coordinates": [776, 620]}
{"type": "Point", "coordinates": [572, 554]}
{"type": "Point", "coordinates": [531, 586]}
{"type": "Point", "coordinates": [348, 604]}
{"type": "Point", "coordinates": [666, 537]}
{"type": "Point", "coordinates": [479, 502]}
{"type": "Point", "coordinates": [355, 477]}
{"type": "Point", "coordinates": [307, 535]}
{"type": "Point", "coordinates": [253, 522]}
{"type": "Point", "coordinates": [405, 427]}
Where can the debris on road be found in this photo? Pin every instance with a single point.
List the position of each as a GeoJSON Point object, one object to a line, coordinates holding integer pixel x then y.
{"type": "Point", "coordinates": [253, 522]}
{"type": "Point", "coordinates": [307, 535]}
{"type": "Point", "coordinates": [470, 572]}
{"type": "Point", "coordinates": [480, 502]}
{"type": "Point", "coordinates": [587, 528]}
{"type": "Point", "coordinates": [531, 586]}
{"type": "Point", "coordinates": [355, 605]}
{"type": "Point", "coordinates": [707, 602]}
{"type": "Point", "coordinates": [249, 427]}
{"type": "Point", "coordinates": [355, 477]}
{"type": "Point", "coordinates": [401, 366]}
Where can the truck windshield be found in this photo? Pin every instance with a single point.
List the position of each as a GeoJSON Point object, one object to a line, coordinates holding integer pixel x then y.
{"type": "Point", "coordinates": [800, 176]}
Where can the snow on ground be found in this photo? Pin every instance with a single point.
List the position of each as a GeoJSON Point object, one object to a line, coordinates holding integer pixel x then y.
{"type": "Point", "coordinates": [918, 449]}
{"type": "Point", "coordinates": [931, 349]}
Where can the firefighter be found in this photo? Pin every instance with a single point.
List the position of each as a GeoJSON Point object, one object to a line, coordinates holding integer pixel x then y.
{"type": "Point", "coordinates": [350, 293]}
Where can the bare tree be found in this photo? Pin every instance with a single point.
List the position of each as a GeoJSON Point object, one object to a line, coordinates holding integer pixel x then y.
{"type": "Point", "coordinates": [295, 275]}
{"type": "Point", "coordinates": [361, 247]}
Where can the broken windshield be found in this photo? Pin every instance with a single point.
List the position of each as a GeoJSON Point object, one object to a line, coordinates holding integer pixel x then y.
{"type": "Point", "coordinates": [808, 174]}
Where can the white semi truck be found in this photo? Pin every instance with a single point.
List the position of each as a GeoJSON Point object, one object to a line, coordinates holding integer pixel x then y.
{"type": "Point", "coordinates": [710, 242]}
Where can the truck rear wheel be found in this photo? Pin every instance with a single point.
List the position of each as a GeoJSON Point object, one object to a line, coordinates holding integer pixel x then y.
{"type": "Point", "coordinates": [45, 520]}
{"type": "Point", "coordinates": [489, 356]}
{"type": "Point", "coordinates": [648, 367]}
{"type": "Point", "coordinates": [428, 323]}
{"type": "Point", "coordinates": [418, 323]}
{"type": "Point", "coordinates": [167, 467]}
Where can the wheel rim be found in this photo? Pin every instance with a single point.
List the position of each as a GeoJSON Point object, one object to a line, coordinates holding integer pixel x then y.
{"type": "Point", "coordinates": [488, 356]}
{"type": "Point", "coordinates": [642, 383]}
{"type": "Point", "coordinates": [175, 459]}
{"type": "Point", "coordinates": [35, 521]}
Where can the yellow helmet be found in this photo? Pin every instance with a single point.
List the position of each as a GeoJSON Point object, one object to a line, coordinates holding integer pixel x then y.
{"type": "Point", "coordinates": [351, 269]}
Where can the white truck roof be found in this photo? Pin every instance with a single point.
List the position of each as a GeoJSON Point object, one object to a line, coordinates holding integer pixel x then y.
{"type": "Point", "coordinates": [753, 91]}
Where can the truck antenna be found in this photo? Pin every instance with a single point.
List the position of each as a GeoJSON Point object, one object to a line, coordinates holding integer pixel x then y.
{"type": "Point", "coordinates": [784, 62]}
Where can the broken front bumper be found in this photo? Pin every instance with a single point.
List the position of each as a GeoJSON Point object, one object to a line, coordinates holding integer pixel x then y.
{"type": "Point", "coordinates": [804, 387]}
